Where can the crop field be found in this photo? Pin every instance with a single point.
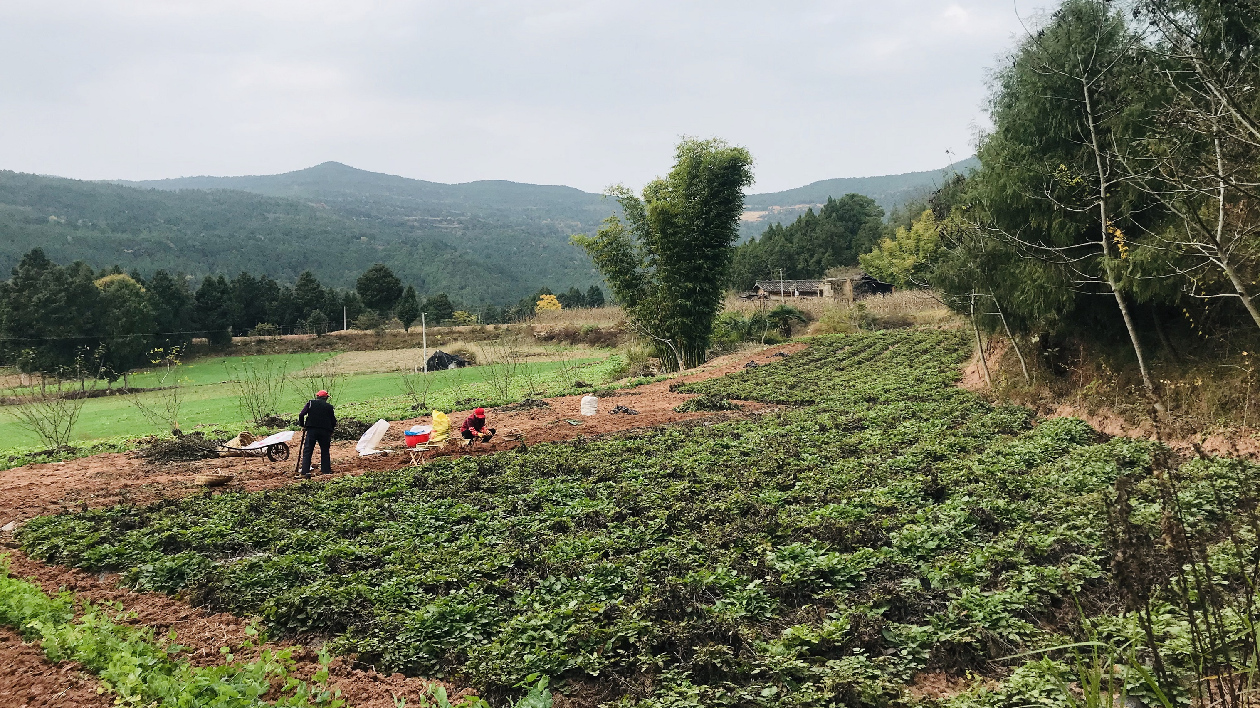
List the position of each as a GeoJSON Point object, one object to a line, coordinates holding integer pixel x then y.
{"type": "Point", "coordinates": [883, 524]}
{"type": "Point", "coordinates": [210, 400]}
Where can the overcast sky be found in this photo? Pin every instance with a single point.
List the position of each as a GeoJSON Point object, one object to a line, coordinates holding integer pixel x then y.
{"type": "Point", "coordinates": [584, 93]}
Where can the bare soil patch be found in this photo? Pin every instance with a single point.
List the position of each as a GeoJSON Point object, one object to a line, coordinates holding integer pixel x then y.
{"type": "Point", "coordinates": [28, 680]}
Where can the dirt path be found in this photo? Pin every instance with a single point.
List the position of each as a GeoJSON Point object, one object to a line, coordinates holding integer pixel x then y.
{"type": "Point", "coordinates": [103, 480]}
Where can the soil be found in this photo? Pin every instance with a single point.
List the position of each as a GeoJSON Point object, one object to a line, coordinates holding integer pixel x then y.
{"type": "Point", "coordinates": [973, 374]}
{"type": "Point", "coordinates": [28, 680]}
{"type": "Point", "coordinates": [108, 479]}
{"type": "Point", "coordinates": [939, 686]}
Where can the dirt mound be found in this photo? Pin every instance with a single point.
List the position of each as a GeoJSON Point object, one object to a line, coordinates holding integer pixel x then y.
{"type": "Point", "coordinates": [706, 402]}
{"type": "Point", "coordinates": [525, 405]}
{"type": "Point", "coordinates": [350, 429]}
{"type": "Point", "coordinates": [183, 448]}
{"type": "Point", "coordinates": [275, 421]}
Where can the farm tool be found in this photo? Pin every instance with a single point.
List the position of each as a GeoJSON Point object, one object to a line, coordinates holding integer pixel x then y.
{"type": "Point", "coordinates": [297, 469]}
{"type": "Point", "coordinates": [274, 447]}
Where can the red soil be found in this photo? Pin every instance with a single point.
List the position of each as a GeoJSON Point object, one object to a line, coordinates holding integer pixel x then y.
{"type": "Point", "coordinates": [28, 680]}
{"type": "Point", "coordinates": [103, 480]}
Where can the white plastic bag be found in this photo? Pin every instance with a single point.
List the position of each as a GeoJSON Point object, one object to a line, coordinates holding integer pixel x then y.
{"type": "Point", "coordinates": [367, 444]}
{"type": "Point", "coordinates": [590, 405]}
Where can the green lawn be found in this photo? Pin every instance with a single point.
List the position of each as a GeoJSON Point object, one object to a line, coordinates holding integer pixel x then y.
{"type": "Point", "coordinates": [211, 401]}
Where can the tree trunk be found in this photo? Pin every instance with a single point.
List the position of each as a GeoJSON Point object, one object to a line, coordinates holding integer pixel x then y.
{"type": "Point", "coordinates": [984, 365]}
{"type": "Point", "coordinates": [1163, 337]}
{"type": "Point", "coordinates": [1022, 364]}
{"type": "Point", "coordinates": [1218, 236]}
{"type": "Point", "coordinates": [1108, 265]}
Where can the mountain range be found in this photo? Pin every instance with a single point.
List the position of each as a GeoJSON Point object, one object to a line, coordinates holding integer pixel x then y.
{"type": "Point", "coordinates": [486, 241]}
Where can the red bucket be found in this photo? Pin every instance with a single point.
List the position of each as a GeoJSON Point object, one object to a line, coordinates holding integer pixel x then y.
{"type": "Point", "coordinates": [414, 439]}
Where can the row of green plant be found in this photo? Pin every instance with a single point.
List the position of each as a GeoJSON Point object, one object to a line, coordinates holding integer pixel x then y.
{"type": "Point", "coordinates": [19, 457]}
{"type": "Point", "coordinates": [140, 669]}
{"type": "Point", "coordinates": [887, 522]}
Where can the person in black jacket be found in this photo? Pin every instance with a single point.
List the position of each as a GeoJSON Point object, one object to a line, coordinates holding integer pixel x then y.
{"type": "Point", "coordinates": [318, 420]}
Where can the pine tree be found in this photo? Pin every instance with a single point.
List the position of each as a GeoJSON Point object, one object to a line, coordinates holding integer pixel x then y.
{"type": "Point", "coordinates": [408, 308]}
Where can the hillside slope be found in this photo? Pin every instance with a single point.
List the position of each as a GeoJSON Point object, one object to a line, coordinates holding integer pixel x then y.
{"type": "Point", "coordinates": [488, 241]}
{"type": "Point", "coordinates": [474, 258]}
{"type": "Point", "coordinates": [889, 191]}
{"type": "Point", "coordinates": [374, 194]}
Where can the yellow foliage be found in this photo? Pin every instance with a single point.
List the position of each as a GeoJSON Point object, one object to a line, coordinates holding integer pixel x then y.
{"type": "Point", "coordinates": [464, 318]}
{"type": "Point", "coordinates": [548, 303]}
{"type": "Point", "coordinates": [121, 278]}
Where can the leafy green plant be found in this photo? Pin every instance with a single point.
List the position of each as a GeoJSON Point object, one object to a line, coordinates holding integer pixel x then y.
{"type": "Point", "coordinates": [706, 402]}
{"type": "Point", "coordinates": [132, 664]}
{"type": "Point", "coordinates": [882, 522]}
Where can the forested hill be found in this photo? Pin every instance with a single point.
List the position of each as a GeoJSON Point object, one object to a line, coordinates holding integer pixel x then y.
{"type": "Point", "coordinates": [480, 242]}
{"type": "Point", "coordinates": [475, 257]}
{"type": "Point", "coordinates": [888, 191]}
{"type": "Point", "coordinates": [364, 193]}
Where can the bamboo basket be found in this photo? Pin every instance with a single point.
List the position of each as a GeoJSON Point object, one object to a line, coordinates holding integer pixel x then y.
{"type": "Point", "coordinates": [213, 479]}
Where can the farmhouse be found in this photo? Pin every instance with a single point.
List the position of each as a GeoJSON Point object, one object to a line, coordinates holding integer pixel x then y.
{"type": "Point", "coordinates": [851, 285]}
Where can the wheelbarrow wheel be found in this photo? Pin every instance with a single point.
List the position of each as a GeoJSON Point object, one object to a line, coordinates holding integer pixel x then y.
{"type": "Point", "coordinates": [278, 452]}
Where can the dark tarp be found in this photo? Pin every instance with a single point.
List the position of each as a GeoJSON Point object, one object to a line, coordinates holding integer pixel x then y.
{"type": "Point", "coordinates": [441, 361]}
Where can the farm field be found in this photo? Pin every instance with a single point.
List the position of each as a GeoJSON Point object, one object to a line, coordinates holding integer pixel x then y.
{"type": "Point", "coordinates": [370, 389]}
{"type": "Point", "coordinates": [883, 532]}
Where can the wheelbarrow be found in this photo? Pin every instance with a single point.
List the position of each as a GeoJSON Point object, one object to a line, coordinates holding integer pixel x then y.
{"type": "Point", "coordinates": [274, 447]}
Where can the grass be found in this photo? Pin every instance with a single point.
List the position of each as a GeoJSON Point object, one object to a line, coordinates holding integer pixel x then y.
{"type": "Point", "coordinates": [211, 402]}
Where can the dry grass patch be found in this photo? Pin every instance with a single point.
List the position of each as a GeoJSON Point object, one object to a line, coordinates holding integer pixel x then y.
{"type": "Point", "coordinates": [580, 317]}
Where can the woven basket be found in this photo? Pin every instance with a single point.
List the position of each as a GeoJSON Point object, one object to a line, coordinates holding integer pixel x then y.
{"type": "Point", "coordinates": [213, 479]}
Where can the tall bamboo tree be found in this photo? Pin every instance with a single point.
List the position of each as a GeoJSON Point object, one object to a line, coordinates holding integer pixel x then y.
{"type": "Point", "coordinates": [668, 260]}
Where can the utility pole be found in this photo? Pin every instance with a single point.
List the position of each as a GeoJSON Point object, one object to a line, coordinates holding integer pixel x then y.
{"type": "Point", "coordinates": [781, 295]}
{"type": "Point", "coordinates": [343, 319]}
{"type": "Point", "coordinates": [424, 342]}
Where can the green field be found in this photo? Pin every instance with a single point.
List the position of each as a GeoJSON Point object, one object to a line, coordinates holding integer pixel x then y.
{"type": "Point", "coordinates": [884, 523]}
{"type": "Point", "coordinates": [211, 401]}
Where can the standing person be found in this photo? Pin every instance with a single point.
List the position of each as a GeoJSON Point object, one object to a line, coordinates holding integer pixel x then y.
{"type": "Point", "coordinates": [318, 420]}
{"type": "Point", "coordinates": [474, 427]}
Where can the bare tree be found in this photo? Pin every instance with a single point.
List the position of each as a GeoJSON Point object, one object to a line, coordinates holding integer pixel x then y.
{"type": "Point", "coordinates": [504, 367]}
{"type": "Point", "coordinates": [1200, 160]}
{"type": "Point", "coordinates": [415, 383]}
{"type": "Point", "coordinates": [162, 407]}
{"type": "Point", "coordinates": [51, 408]}
{"type": "Point", "coordinates": [1075, 72]}
{"type": "Point", "coordinates": [259, 383]}
{"type": "Point", "coordinates": [324, 376]}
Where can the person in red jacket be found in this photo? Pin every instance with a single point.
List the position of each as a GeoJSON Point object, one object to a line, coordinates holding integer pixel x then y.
{"type": "Point", "coordinates": [474, 427]}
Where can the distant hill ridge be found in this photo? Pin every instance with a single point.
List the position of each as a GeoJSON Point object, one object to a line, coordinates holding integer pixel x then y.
{"type": "Point", "coordinates": [484, 241]}
{"type": "Point", "coordinates": [887, 190]}
{"type": "Point", "coordinates": [340, 181]}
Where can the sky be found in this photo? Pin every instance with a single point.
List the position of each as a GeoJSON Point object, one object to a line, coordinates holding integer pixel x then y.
{"type": "Point", "coordinates": [584, 93]}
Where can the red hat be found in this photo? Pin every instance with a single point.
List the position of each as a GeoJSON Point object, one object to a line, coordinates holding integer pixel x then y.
{"type": "Point", "coordinates": [322, 394]}
{"type": "Point", "coordinates": [480, 412]}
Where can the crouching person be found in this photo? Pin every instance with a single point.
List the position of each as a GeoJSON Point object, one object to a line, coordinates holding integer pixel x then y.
{"type": "Point", "coordinates": [474, 428]}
